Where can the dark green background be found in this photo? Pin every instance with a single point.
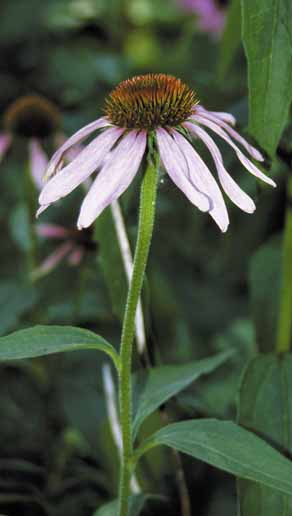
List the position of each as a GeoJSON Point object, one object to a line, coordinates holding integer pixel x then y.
{"type": "Point", "coordinates": [205, 291]}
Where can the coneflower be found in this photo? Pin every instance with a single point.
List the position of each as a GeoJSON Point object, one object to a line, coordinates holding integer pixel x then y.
{"type": "Point", "coordinates": [34, 119]}
{"type": "Point", "coordinates": [166, 109]}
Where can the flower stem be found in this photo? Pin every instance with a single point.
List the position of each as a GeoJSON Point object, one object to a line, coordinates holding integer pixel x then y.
{"type": "Point", "coordinates": [145, 229]}
{"type": "Point", "coordinates": [126, 255]}
{"type": "Point", "coordinates": [145, 360]}
{"type": "Point", "coordinates": [285, 316]}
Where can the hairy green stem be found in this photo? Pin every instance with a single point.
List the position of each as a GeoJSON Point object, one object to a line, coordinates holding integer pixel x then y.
{"type": "Point", "coordinates": [285, 316]}
{"type": "Point", "coordinates": [145, 229]}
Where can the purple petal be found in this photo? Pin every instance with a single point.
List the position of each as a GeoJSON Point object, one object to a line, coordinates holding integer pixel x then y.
{"type": "Point", "coordinates": [211, 18]}
{"type": "Point", "coordinates": [5, 142]}
{"type": "Point", "coordinates": [52, 231]}
{"type": "Point", "coordinates": [255, 153]}
{"type": "Point", "coordinates": [176, 167]}
{"type": "Point", "coordinates": [202, 178]}
{"type": "Point", "coordinates": [244, 160]}
{"type": "Point", "coordinates": [226, 117]}
{"type": "Point", "coordinates": [71, 153]}
{"type": "Point", "coordinates": [75, 258]}
{"type": "Point", "coordinates": [75, 138]}
{"type": "Point", "coordinates": [80, 169]}
{"type": "Point", "coordinates": [53, 259]}
{"type": "Point", "coordinates": [114, 178]}
{"type": "Point", "coordinates": [234, 192]}
{"type": "Point", "coordinates": [38, 162]}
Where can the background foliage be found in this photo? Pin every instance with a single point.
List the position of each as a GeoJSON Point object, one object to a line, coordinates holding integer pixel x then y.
{"type": "Point", "coordinates": [205, 292]}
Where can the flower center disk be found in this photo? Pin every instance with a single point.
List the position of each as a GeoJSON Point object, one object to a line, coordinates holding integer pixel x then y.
{"type": "Point", "coordinates": [32, 116]}
{"type": "Point", "coordinates": [150, 101]}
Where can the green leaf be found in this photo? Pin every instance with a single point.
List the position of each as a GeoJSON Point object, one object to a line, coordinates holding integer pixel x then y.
{"type": "Point", "coordinates": [231, 39]}
{"type": "Point", "coordinates": [265, 285]}
{"type": "Point", "coordinates": [136, 505]}
{"type": "Point", "coordinates": [45, 340]}
{"type": "Point", "coordinates": [110, 260]}
{"type": "Point", "coordinates": [216, 395]}
{"type": "Point", "coordinates": [226, 446]}
{"type": "Point", "coordinates": [266, 408]}
{"type": "Point", "coordinates": [164, 382]}
{"type": "Point", "coordinates": [267, 37]}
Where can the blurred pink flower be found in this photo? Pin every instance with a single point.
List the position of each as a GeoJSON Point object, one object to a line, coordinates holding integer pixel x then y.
{"type": "Point", "coordinates": [34, 119]}
{"type": "Point", "coordinates": [211, 14]}
{"type": "Point", "coordinates": [38, 162]}
{"type": "Point", "coordinates": [5, 142]}
{"type": "Point", "coordinates": [73, 247]}
{"type": "Point", "coordinates": [161, 105]}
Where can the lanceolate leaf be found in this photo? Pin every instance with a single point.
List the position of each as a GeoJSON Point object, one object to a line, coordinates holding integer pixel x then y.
{"type": "Point", "coordinates": [267, 37]}
{"type": "Point", "coordinates": [45, 340]}
{"type": "Point", "coordinates": [164, 382]}
{"type": "Point", "coordinates": [266, 407]}
{"type": "Point", "coordinates": [227, 446]}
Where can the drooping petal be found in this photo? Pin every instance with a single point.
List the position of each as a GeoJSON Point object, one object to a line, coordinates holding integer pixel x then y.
{"type": "Point", "coordinates": [80, 169]}
{"type": "Point", "coordinates": [41, 209]}
{"type": "Point", "coordinates": [201, 176]}
{"type": "Point", "coordinates": [76, 256]}
{"type": "Point", "coordinates": [244, 160]}
{"type": "Point", "coordinates": [52, 231]}
{"type": "Point", "coordinates": [255, 153]}
{"type": "Point", "coordinates": [75, 138]}
{"type": "Point", "coordinates": [5, 142]}
{"type": "Point", "coordinates": [114, 178]}
{"type": "Point", "coordinates": [234, 192]}
{"type": "Point", "coordinates": [226, 117]}
{"type": "Point", "coordinates": [53, 260]}
{"type": "Point", "coordinates": [176, 167]}
{"type": "Point", "coordinates": [72, 153]}
{"type": "Point", "coordinates": [38, 162]}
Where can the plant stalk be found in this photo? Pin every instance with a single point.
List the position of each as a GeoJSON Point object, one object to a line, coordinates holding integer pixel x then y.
{"type": "Point", "coordinates": [145, 230]}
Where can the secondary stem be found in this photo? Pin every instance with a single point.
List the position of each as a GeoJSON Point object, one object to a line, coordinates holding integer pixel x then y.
{"type": "Point", "coordinates": [31, 210]}
{"type": "Point", "coordinates": [145, 229]}
{"type": "Point", "coordinates": [285, 316]}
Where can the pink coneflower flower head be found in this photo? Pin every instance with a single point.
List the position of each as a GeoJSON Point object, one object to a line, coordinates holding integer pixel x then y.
{"type": "Point", "coordinates": [34, 119]}
{"type": "Point", "coordinates": [211, 14]}
{"type": "Point", "coordinates": [165, 108]}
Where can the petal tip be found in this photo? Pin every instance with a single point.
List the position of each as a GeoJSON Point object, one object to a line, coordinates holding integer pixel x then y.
{"type": "Point", "coordinates": [39, 211]}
